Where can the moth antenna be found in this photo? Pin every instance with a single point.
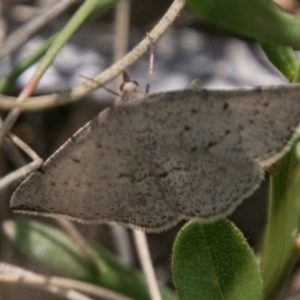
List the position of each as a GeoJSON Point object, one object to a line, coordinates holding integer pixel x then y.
{"type": "Point", "coordinates": [101, 86]}
{"type": "Point", "coordinates": [151, 62]}
{"type": "Point", "coordinates": [126, 77]}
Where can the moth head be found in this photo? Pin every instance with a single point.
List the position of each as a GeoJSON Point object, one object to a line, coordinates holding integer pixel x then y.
{"type": "Point", "coordinates": [129, 87]}
{"type": "Point", "coordinates": [130, 90]}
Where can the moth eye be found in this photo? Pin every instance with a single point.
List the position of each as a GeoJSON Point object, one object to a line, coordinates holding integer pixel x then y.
{"type": "Point", "coordinates": [136, 83]}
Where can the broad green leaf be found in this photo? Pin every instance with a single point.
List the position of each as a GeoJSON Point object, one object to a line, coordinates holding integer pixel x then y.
{"type": "Point", "coordinates": [214, 262]}
{"type": "Point", "coordinates": [258, 19]}
{"type": "Point", "coordinates": [55, 250]}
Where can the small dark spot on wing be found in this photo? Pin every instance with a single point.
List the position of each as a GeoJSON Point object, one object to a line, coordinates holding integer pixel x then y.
{"type": "Point", "coordinates": [163, 174]}
{"type": "Point", "coordinates": [225, 106]}
{"type": "Point", "coordinates": [211, 144]}
{"type": "Point", "coordinates": [193, 149]}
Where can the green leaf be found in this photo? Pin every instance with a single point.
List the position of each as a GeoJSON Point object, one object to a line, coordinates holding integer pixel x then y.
{"type": "Point", "coordinates": [258, 19]}
{"type": "Point", "coordinates": [277, 253]}
{"type": "Point", "coordinates": [214, 262]}
{"type": "Point", "coordinates": [7, 82]}
{"type": "Point", "coordinates": [283, 58]}
{"type": "Point", "coordinates": [56, 251]}
{"type": "Point", "coordinates": [277, 256]}
{"type": "Point", "coordinates": [49, 248]}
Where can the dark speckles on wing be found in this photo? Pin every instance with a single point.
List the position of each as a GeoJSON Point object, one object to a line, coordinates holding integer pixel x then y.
{"type": "Point", "coordinates": [170, 156]}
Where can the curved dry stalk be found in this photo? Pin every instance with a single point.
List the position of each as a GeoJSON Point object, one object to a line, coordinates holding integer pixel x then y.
{"type": "Point", "coordinates": [79, 240]}
{"type": "Point", "coordinates": [72, 95]}
{"type": "Point", "coordinates": [24, 147]}
{"type": "Point", "coordinates": [13, 153]}
{"type": "Point", "coordinates": [140, 240]}
{"type": "Point", "coordinates": [122, 20]}
{"type": "Point", "coordinates": [19, 173]}
{"type": "Point", "coordinates": [122, 23]}
{"type": "Point", "coordinates": [11, 142]}
{"type": "Point", "coordinates": [16, 275]}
